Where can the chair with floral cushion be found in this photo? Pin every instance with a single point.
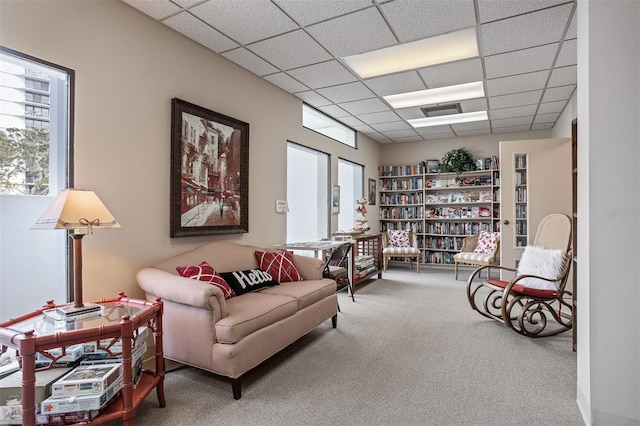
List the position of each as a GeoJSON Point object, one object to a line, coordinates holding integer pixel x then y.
{"type": "Point", "coordinates": [479, 250]}
{"type": "Point", "coordinates": [535, 302]}
{"type": "Point", "coordinates": [400, 243]}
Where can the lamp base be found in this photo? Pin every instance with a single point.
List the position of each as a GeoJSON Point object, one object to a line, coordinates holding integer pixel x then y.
{"type": "Point", "coordinates": [71, 313]}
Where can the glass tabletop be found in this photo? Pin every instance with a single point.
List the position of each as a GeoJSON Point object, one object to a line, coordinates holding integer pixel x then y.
{"type": "Point", "coordinates": [51, 322]}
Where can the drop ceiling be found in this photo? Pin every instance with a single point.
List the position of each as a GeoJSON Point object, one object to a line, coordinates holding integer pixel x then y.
{"type": "Point", "coordinates": [527, 59]}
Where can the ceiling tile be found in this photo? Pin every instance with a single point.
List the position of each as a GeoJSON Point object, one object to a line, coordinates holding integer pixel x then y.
{"type": "Point", "coordinates": [407, 133]}
{"type": "Point", "coordinates": [572, 32]}
{"type": "Point", "coordinates": [347, 92]}
{"type": "Point", "coordinates": [471, 105]}
{"type": "Point", "coordinates": [511, 129]}
{"type": "Point", "coordinates": [473, 126]}
{"type": "Point", "coordinates": [448, 135]}
{"type": "Point", "coordinates": [407, 18]}
{"type": "Point", "coordinates": [517, 83]}
{"type": "Point", "coordinates": [401, 139]}
{"type": "Point", "coordinates": [364, 106]}
{"type": "Point", "coordinates": [546, 118]}
{"type": "Point", "coordinates": [396, 83]}
{"type": "Point", "coordinates": [310, 12]}
{"type": "Point", "coordinates": [549, 107]}
{"type": "Point", "coordinates": [378, 117]}
{"type": "Point", "coordinates": [558, 93]}
{"type": "Point", "coordinates": [540, 126]}
{"type": "Point", "coordinates": [285, 82]}
{"type": "Point", "coordinates": [521, 61]}
{"type": "Point", "coordinates": [354, 33]}
{"type": "Point", "coordinates": [517, 99]}
{"type": "Point", "coordinates": [363, 128]}
{"type": "Point", "coordinates": [490, 10]}
{"type": "Point", "coordinates": [248, 60]}
{"type": "Point", "coordinates": [564, 76]}
{"type": "Point", "coordinates": [277, 50]}
{"type": "Point", "coordinates": [351, 121]}
{"type": "Point", "coordinates": [395, 126]}
{"type": "Point", "coordinates": [380, 138]}
{"type": "Point", "coordinates": [194, 28]}
{"type": "Point", "coordinates": [520, 111]}
{"type": "Point", "coordinates": [313, 98]}
{"type": "Point", "coordinates": [510, 122]}
{"type": "Point", "coordinates": [334, 111]}
{"type": "Point", "coordinates": [471, 132]}
{"type": "Point", "coordinates": [523, 31]}
{"type": "Point", "coordinates": [325, 74]}
{"type": "Point", "coordinates": [568, 53]}
{"type": "Point", "coordinates": [244, 21]}
{"type": "Point", "coordinates": [185, 4]}
{"type": "Point", "coordinates": [409, 113]}
{"type": "Point", "coordinates": [459, 72]}
{"type": "Point", "coordinates": [158, 9]}
{"type": "Point", "coordinates": [434, 130]}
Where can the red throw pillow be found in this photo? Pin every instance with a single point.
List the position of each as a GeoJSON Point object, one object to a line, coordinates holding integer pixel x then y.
{"type": "Point", "coordinates": [279, 264]}
{"type": "Point", "coordinates": [205, 272]}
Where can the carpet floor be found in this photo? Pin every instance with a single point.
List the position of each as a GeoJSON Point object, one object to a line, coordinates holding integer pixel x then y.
{"type": "Point", "coordinates": [408, 351]}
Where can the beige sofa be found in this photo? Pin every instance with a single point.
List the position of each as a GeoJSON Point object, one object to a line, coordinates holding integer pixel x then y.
{"type": "Point", "coordinates": [229, 337]}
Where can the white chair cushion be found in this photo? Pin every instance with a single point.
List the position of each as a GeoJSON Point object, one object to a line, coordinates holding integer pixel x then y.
{"type": "Point", "coordinates": [400, 250]}
{"type": "Point", "coordinates": [542, 262]}
{"type": "Point", "coordinates": [477, 257]}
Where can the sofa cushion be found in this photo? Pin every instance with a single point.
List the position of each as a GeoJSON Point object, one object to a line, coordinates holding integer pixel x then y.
{"type": "Point", "coordinates": [249, 280]}
{"type": "Point", "coordinates": [279, 264]}
{"type": "Point", "coordinates": [305, 292]}
{"type": "Point", "coordinates": [251, 312]}
{"type": "Point", "coordinates": [204, 272]}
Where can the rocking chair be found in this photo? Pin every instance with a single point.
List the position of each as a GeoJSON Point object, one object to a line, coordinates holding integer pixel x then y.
{"type": "Point", "coordinates": [535, 302]}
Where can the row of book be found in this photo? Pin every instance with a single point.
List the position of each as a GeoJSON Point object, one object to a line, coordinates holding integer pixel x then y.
{"type": "Point", "coordinates": [458, 228]}
{"type": "Point", "coordinates": [413, 169]}
{"type": "Point", "coordinates": [416, 212]}
{"type": "Point", "coordinates": [404, 184]}
{"type": "Point", "coordinates": [459, 197]}
{"type": "Point", "coordinates": [475, 212]}
{"type": "Point", "coordinates": [458, 182]}
{"type": "Point", "coordinates": [415, 227]}
{"type": "Point", "coordinates": [443, 243]}
{"type": "Point", "coordinates": [412, 198]}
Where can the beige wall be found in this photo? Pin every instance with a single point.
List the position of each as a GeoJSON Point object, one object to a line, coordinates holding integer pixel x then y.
{"type": "Point", "coordinates": [128, 68]}
{"type": "Point", "coordinates": [478, 146]}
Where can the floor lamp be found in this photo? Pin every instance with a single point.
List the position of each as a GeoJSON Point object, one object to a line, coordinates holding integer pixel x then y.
{"type": "Point", "coordinates": [79, 211]}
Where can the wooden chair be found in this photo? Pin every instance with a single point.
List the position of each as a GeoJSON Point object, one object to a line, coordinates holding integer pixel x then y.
{"type": "Point", "coordinates": [396, 243]}
{"type": "Point", "coordinates": [468, 256]}
{"type": "Point", "coordinates": [527, 307]}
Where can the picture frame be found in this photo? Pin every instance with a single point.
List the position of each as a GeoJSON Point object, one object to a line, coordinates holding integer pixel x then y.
{"type": "Point", "coordinates": [209, 183]}
{"type": "Point", "coordinates": [433, 166]}
{"type": "Point", "coordinates": [372, 192]}
{"type": "Point", "coordinates": [335, 199]}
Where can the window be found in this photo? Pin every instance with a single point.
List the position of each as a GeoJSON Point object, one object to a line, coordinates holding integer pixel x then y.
{"type": "Point", "coordinates": [307, 194]}
{"type": "Point", "coordinates": [315, 120]}
{"type": "Point", "coordinates": [351, 181]}
{"type": "Point", "coordinates": [35, 165]}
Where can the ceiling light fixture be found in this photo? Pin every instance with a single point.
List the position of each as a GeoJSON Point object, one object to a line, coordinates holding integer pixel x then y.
{"type": "Point", "coordinates": [437, 95]}
{"type": "Point", "coordinates": [440, 120]}
{"type": "Point", "coordinates": [416, 54]}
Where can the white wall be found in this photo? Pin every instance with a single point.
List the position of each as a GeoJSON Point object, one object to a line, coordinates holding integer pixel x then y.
{"type": "Point", "coordinates": [128, 68]}
{"type": "Point", "coordinates": [608, 385]}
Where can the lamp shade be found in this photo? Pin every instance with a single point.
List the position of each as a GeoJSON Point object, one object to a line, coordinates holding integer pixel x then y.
{"type": "Point", "coordinates": [76, 209]}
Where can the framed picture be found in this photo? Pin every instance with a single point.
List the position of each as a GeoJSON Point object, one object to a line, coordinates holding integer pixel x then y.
{"type": "Point", "coordinates": [335, 199]}
{"type": "Point", "coordinates": [209, 190]}
{"type": "Point", "coordinates": [372, 192]}
{"type": "Point", "coordinates": [433, 166]}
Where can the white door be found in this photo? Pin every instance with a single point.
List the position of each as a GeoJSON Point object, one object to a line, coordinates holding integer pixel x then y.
{"type": "Point", "coordinates": [535, 180]}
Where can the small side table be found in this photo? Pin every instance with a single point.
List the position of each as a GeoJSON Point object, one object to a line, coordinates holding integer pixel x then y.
{"type": "Point", "coordinates": [121, 319]}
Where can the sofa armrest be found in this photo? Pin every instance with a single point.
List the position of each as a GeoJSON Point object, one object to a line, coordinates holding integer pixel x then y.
{"type": "Point", "coordinates": [309, 267]}
{"type": "Point", "coordinates": [185, 291]}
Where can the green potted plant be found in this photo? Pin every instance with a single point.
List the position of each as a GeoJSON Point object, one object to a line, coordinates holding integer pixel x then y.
{"type": "Point", "coordinates": [458, 161]}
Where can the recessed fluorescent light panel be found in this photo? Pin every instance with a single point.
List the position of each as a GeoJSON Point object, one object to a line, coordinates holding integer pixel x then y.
{"type": "Point", "coordinates": [465, 117]}
{"type": "Point", "coordinates": [416, 54]}
{"type": "Point", "coordinates": [437, 95]}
